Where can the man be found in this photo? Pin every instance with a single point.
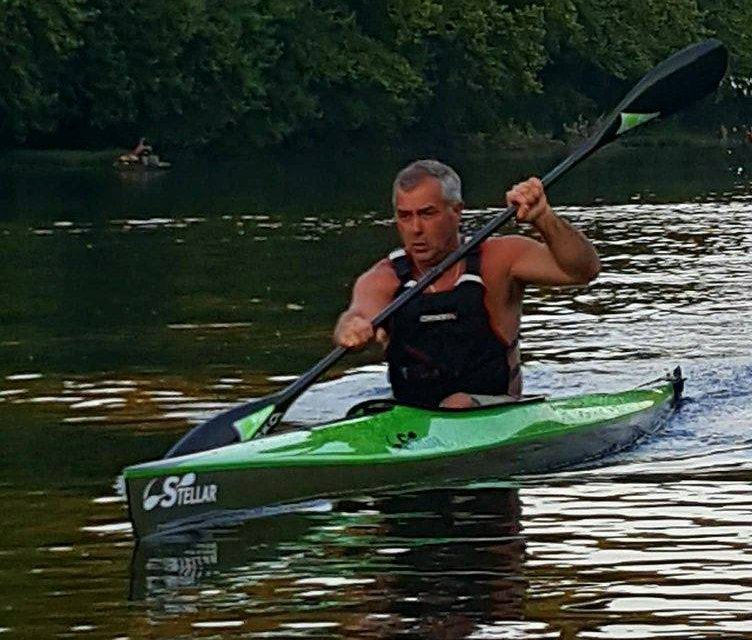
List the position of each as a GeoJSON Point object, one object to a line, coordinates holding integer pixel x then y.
{"type": "Point", "coordinates": [140, 154]}
{"type": "Point", "coordinates": [456, 344]}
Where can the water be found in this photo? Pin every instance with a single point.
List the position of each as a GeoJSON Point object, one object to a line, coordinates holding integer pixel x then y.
{"type": "Point", "coordinates": [133, 309]}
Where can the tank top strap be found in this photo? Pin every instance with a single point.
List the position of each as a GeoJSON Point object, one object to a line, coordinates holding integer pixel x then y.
{"type": "Point", "coordinates": [472, 262]}
{"type": "Point", "coordinates": [472, 268]}
{"type": "Point", "coordinates": [402, 266]}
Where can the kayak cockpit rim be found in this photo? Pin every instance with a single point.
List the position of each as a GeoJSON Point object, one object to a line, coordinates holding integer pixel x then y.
{"type": "Point", "coordinates": [379, 405]}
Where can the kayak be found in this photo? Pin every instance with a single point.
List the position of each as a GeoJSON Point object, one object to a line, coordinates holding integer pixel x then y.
{"type": "Point", "coordinates": [129, 163]}
{"type": "Point", "coordinates": [383, 444]}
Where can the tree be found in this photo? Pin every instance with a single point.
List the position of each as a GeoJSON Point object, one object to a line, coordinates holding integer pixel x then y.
{"type": "Point", "coordinates": [182, 70]}
{"type": "Point", "coordinates": [476, 58]}
{"type": "Point", "coordinates": [236, 73]}
{"type": "Point", "coordinates": [730, 21]}
{"type": "Point", "coordinates": [36, 38]}
{"type": "Point", "coordinates": [598, 48]}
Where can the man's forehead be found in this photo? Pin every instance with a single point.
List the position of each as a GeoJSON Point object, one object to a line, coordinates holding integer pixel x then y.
{"type": "Point", "coordinates": [428, 189]}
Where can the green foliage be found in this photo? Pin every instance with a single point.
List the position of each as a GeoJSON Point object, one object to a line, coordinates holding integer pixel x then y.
{"type": "Point", "coordinates": [731, 22]}
{"type": "Point", "coordinates": [181, 70]}
{"type": "Point", "coordinates": [236, 73]}
{"type": "Point", "coordinates": [474, 57]}
{"type": "Point", "coordinates": [627, 37]}
{"type": "Point", "coordinates": [332, 77]}
{"type": "Point", "coordinates": [36, 39]}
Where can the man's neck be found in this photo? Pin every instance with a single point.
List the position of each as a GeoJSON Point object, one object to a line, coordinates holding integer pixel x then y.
{"type": "Point", "coordinates": [425, 266]}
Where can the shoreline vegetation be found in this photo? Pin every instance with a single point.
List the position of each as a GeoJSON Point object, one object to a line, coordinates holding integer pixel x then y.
{"type": "Point", "coordinates": [540, 145]}
{"type": "Point", "coordinates": [226, 78]}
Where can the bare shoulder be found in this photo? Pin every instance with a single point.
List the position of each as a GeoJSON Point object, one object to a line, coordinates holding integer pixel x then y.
{"type": "Point", "coordinates": [380, 278]}
{"type": "Point", "coordinates": [499, 254]}
{"type": "Point", "coordinates": [382, 271]}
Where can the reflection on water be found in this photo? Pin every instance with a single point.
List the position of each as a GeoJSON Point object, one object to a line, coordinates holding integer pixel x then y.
{"type": "Point", "coordinates": [436, 564]}
{"type": "Point", "coordinates": [122, 328]}
{"type": "Point", "coordinates": [674, 555]}
{"type": "Point", "coordinates": [673, 286]}
{"type": "Point", "coordinates": [545, 561]}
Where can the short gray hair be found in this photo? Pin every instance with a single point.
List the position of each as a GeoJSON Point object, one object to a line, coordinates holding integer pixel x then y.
{"type": "Point", "coordinates": [414, 173]}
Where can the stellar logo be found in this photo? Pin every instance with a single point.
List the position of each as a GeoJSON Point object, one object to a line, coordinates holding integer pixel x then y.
{"type": "Point", "coordinates": [178, 491]}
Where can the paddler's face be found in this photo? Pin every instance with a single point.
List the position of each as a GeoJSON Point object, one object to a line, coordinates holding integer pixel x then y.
{"type": "Point", "coordinates": [429, 226]}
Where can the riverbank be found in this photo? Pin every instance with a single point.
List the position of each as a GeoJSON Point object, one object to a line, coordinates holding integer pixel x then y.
{"type": "Point", "coordinates": [58, 157]}
{"type": "Point", "coordinates": [82, 158]}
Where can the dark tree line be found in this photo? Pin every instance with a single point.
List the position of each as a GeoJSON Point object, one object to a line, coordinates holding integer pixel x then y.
{"type": "Point", "coordinates": [193, 73]}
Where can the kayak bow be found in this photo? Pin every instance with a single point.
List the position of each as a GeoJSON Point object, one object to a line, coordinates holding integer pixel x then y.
{"type": "Point", "coordinates": [382, 444]}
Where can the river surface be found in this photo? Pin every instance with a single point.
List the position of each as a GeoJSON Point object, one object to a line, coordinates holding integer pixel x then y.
{"type": "Point", "coordinates": [132, 306]}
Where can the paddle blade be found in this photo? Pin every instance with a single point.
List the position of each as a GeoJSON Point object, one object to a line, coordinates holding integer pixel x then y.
{"type": "Point", "coordinates": [234, 425]}
{"type": "Point", "coordinates": [677, 82]}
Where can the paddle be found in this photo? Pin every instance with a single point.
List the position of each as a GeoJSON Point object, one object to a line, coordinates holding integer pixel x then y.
{"type": "Point", "coordinates": [675, 83]}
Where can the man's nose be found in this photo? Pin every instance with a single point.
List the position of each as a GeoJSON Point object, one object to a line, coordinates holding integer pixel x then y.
{"type": "Point", "coordinates": [417, 225]}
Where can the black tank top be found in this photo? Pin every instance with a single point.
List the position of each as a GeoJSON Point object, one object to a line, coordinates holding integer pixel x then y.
{"type": "Point", "coordinates": [442, 343]}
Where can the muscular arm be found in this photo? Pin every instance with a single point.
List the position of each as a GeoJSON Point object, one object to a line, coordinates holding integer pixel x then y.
{"type": "Point", "coordinates": [372, 292]}
{"type": "Point", "coordinates": [565, 257]}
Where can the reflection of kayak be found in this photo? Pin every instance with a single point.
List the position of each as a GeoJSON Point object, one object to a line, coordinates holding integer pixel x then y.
{"type": "Point", "coordinates": [383, 444]}
{"type": "Point", "coordinates": [128, 162]}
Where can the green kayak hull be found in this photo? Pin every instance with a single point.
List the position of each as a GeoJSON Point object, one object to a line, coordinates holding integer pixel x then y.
{"type": "Point", "coordinates": [401, 446]}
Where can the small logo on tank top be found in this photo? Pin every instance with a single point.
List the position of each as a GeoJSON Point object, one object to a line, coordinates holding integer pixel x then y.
{"type": "Point", "coordinates": [438, 317]}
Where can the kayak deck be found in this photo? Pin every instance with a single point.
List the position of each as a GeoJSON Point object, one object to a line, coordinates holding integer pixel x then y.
{"type": "Point", "coordinates": [395, 447]}
{"type": "Point", "coordinates": [405, 433]}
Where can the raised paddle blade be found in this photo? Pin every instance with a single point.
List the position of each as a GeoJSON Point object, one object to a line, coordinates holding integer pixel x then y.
{"type": "Point", "coordinates": [677, 82]}
{"type": "Point", "coordinates": [674, 84]}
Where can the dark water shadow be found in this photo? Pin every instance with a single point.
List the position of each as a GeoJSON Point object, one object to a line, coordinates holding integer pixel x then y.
{"type": "Point", "coordinates": [433, 564]}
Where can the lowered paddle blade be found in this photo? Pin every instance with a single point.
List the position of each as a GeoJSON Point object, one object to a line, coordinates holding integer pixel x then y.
{"type": "Point", "coordinates": [234, 425]}
{"type": "Point", "coordinates": [677, 82]}
{"type": "Point", "coordinates": [249, 426]}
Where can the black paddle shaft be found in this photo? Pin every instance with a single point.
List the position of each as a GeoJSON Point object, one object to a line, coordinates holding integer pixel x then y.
{"type": "Point", "coordinates": [675, 83]}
